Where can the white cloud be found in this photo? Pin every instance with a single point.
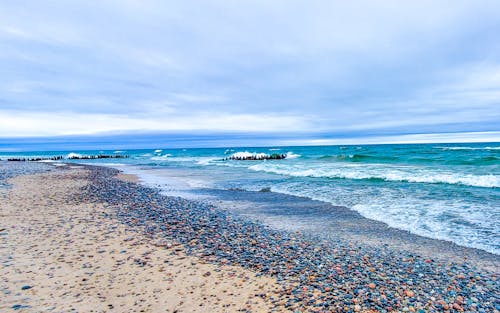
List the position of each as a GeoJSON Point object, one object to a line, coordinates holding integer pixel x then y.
{"type": "Point", "coordinates": [403, 139]}
{"type": "Point", "coordinates": [254, 65]}
{"type": "Point", "coordinates": [13, 124]}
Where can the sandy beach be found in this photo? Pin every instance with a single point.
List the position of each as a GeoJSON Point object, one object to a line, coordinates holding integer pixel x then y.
{"type": "Point", "coordinates": [61, 256]}
{"type": "Point", "coordinates": [89, 239]}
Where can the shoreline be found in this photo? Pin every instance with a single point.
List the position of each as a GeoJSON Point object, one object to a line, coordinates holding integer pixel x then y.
{"type": "Point", "coordinates": [349, 225]}
{"type": "Point", "coordinates": [319, 275]}
{"type": "Point", "coordinates": [272, 209]}
{"type": "Point", "coordinates": [311, 274]}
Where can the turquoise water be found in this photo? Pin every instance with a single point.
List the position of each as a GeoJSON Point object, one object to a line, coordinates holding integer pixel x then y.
{"type": "Point", "coordinates": [443, 191]}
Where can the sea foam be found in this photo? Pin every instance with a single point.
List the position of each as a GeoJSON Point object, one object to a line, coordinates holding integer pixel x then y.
{"type": "Point", "coordinates": [380, 172]}
{"type": "Point", "coordinates": [161, 157]}
{"type": "Point", "coordinates": [468, 148]}
{"type": "Point", "coordinates": [291, 155]}
{"type": "Point", "coordinates": [73, 155]}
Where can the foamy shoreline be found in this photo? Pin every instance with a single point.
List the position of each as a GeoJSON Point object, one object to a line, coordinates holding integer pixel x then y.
{"type": "Point", "coordinates": [347, 223]}
{"type": "Point", "coordinates": [124, 239]}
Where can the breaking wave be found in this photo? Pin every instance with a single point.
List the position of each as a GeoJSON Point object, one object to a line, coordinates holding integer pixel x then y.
{"type": "Point", "coordinates": [468, 148]}
{"type": "Point", "coordinates": [161, 157]}
{"type": "Point", "coordinates": [383, 173]}
{"type": "Point", "coordinates": [73, 155]}
{"type": "Point", "coordinates": [291, 155]}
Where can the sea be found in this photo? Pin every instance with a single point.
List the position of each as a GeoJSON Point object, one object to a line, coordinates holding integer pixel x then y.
{"type": "Point", "coordinates": [443, 191]}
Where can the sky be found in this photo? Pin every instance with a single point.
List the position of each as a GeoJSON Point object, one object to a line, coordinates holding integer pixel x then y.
{"type": "Point", "coordinates": [321, 70]}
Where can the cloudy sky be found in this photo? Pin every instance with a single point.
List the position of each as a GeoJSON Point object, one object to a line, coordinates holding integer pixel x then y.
{"type": "Point", "coordinates": [329, 68]}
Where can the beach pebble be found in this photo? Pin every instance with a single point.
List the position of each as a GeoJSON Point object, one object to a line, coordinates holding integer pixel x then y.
{"type": "Point", "coordinates": [316, 274]}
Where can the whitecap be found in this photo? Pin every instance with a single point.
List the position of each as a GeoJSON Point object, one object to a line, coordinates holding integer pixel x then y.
{"type": "Point", "coordinates": [161, 157]}
{"type": "Point", "coordinates": [291, 155]}
{"type": "Point", "coordinates": [386, 173]}
{"type": "Point", "coordinates": [467, 148]}
{"type": "Point", "coordinates": [73, 155]}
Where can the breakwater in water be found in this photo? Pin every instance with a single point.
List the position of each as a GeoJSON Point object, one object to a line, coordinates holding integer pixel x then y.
{"type": "Point", "coordinates": [70, 157]}
{"type": "Point", "coordinates": [56, 158]}
{"type": "Point", "coordinates": [246, 156]}
{"type": "Point", "coordinates": [95, 157]}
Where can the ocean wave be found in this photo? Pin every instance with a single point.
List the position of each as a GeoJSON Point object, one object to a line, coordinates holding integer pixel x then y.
{"type": "Point", "coordinates": [402, 174]}
{"type": "Point", "coordinates": [118, 151]}
{"type": "Point", "coordinates": [477, 161]}
{"type": "Point", "coordinates": [434, 217]}
{"type": "Point", "coordinates": [73, 155]}
{"type": "Point", "coordinates": [158, 151]}
{"type": "Point", "coordinates": [489, 159]}
{"type": "Point", "coordinates": [384, 159]}
{"type": "Point", "coordinates": [443, 220]}
{"type": "Point", "coordinates": [357, 157]}
{"type": "Point", "coordinates": [207, 160]}
{"type": "Point", "coordinates": [468, 148]}
{"type": "Point", "coordinates": [196, 160]}
{"type": "Point", "coordinates": [291, 155]}
{"type": "Point", "coordinates": [161, 157]}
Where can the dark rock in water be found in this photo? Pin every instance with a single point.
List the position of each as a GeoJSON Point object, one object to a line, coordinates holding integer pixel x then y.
{"type": "Point", "coordinates": [26, 287]}
{"type": "Point", "coordinates": [99, 156]}
{"type": "Point", "coordinates": [265, 189]}
{"type": "Point", "coordinates": [72, 157]}
{"type": "Point", "coordinates": [56, 158]}
{"type": "Point", "coordinates": [257, 157]}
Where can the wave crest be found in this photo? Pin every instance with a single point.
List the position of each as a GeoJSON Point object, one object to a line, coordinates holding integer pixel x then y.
{"type": "Point", "coordinates": [73, 155]}
{"type": "Point", "coordinates": [161, 157]}
{"type": "Point", "coordinates": [291, 155]}
{"type": "Point", "coordinates": [404, 174]}
{"type": "Point", "coordinates": [468, 148]}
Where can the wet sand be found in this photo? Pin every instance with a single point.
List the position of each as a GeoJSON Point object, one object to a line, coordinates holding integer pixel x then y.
{"type": "Point", "coordinates": [58, 255]}
{"type": "Point", "coordinates": [332, 222]}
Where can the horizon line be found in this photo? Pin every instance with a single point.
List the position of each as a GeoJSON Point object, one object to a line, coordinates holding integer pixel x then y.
{"type": "Point", "coordinates": [246, 140]}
